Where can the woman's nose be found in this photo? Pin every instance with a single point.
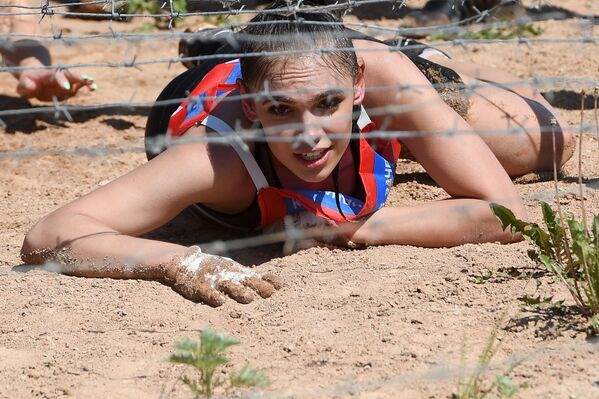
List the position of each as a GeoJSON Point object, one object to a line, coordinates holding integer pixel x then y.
{"type": "Point", "coordinates": [313, 129]}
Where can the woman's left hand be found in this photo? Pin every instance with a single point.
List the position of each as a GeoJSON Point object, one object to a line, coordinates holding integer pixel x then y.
{"type": "Point", "coordinates": [314, 229]}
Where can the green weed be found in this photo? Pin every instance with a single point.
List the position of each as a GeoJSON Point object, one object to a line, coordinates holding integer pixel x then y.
{"type": "Point", "coordinates": [476, 386]}
{"type": "Point", "coordinates": [566, 249]}
{"type": "Point", "coordinates": [207, 356]}
{"type": "Point", "coordinates": [493, 33]}
{"type": "Point", "coordinates": [482, 277]}
{"type": "Point", "coordinates": [222, 19]}
{"type": "Point", "coordinates": [538, 301]}
{"type": "Point", "coordinates": [154, 7]}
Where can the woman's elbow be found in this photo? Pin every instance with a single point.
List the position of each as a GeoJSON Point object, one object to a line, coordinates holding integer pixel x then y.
{"type": "Point", "coordinates": [36, 247]}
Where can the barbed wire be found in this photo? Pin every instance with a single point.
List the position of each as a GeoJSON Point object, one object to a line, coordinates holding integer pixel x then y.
{"type": "Point", "coordinates": [172, 60]}
{"type": "Point", "coordinates": [65, 110]}
{"type": "Point", "coordinates": [49, 10]}
{"type": "Point", "coordinates": [162, 141]}
{"type": "Point", "coordinates": [59, 5]}
{"type": "Point", "coordinates": [290, 234]}
{"type": "Point", "coordinates": [400, 31]}
{"type": "Point", "coordinates": [113, 35]}
{"type": "Point", "coordinates": [159, 143]}
{"type": "Point", "coordinates": [245, 135]}
{"type": "Point", "coordinates": [538, 83]}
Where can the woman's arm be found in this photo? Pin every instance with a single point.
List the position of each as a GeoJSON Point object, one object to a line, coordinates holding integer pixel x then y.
{"type": "Point", "coordinates": [462, 164]}
{"type": "Point", "coordinates": [96, 235]}
{"type": "Point", "coordinates": [434, 224]}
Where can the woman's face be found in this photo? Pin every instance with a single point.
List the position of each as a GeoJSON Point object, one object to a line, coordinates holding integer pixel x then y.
{"type": "Point", "coordinates": [309, 103]}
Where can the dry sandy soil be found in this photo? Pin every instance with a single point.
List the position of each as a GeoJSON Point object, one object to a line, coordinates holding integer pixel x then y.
{"type": "Point", "coordinates": [383, 322]}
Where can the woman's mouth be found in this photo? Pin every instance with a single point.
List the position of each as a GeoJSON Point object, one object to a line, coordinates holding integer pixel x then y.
{"type": "Point", "coordinates": [313, 158]}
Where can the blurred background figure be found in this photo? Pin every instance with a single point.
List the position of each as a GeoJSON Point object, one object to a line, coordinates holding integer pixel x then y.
{"type": "Point", "coordinates": [43, 84]}
{"type": "Point", "coordinates": [439, 12]}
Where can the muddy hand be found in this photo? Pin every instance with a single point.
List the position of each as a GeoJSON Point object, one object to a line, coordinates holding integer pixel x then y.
{"type": "Point", "coordinates": [207, 278]}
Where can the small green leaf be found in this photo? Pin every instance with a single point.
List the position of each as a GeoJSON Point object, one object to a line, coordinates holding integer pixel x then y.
{"type": "Point", "coordinates": [534, 301]}
{"type": "Point", "coordinates": [506, 387]}
{"type": "Point", "coordinates": [530, 231]}
{"type": "Point", "coordinates": [594, 325]}
{"type": "Point", "coordinates": [250, 377]}
{"type": "Point", "coordinates": [206, 357]}
{"type": "Point", "coordinates": [553, 225]}
{"type": "Point", "coordinates": [547, 262]}
{"type": "Point", "coordinates": [506, 217]}
{"type": "Point", "coordinates": [576, 230]}
{"type": "Point", "coordinates": [216, 342]}
{"type": "Point", "coordinates": [548, 216]}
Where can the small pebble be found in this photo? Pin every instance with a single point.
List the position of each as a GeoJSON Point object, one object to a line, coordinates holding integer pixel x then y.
{"type": "Point", "coordinates": [288, 348]}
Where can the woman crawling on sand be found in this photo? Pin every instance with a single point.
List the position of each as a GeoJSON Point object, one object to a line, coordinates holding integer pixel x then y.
{"type": "Point", "coordinates": [309, 167]}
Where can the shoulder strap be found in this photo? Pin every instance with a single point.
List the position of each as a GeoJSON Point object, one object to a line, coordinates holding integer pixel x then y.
{"type": "Point", "coordinates": [223, 128]}
{"type": "Point", "coordinates": [364, 119]}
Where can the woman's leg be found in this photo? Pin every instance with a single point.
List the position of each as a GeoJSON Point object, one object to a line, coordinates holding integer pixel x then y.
{"type": "Point", "coordinates": [498, 104]}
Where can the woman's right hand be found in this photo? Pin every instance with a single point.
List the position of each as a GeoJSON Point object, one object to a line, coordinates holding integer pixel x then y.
{"type": "Point", "coordinates": [207, 278]}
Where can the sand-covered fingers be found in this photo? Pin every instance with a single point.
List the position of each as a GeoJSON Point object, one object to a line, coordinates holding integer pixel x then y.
{"type": "Point", "coordinates": [240, 282]}
{"type": "Point", "coordinates": [236, 291]}
{"type": "Point", "coordinates": [193, 286]}
{"type": "Point", "coordinates": [202, 291]}
{"type": "Point", "coordinates": [273, 279]}
{"type": "Point", "coordinates": [262, 287]}
{"type": "Point", "coordinates": [205, 278]}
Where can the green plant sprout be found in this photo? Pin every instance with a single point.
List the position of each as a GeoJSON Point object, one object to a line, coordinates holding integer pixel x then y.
{"type": "Point", "coordinates": [483, 277]}
{"type": "Point", "coordinates": [221, 19]}
{"type": "Point", "coordinates": [567, 250]}
{"type": "Point", "coordinates": [538, 301]}
{"type": "Point", "coordinates": [475, 385]}
{"type": "Point", "coordinates": [493, 33]}
{"type": "Point", "coordinates": [154, 7]}
{"type": "Point", "coordinates": [207, 357]}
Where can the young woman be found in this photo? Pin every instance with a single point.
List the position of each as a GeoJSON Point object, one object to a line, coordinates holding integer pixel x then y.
{"type": "Point", "coordinates": [305, 103]}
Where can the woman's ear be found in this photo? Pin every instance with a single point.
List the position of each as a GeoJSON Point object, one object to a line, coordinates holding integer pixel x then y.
{"type": "Point", "coordinates": [359, 85]}
{"type": "Point", "coordinates": [247, 104]}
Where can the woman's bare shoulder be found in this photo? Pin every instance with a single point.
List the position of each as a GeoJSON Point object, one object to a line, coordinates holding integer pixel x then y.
{"type": "Point", "coordinates": [384, 64]}
{"type": "Point", "coordinates": [213, 169]}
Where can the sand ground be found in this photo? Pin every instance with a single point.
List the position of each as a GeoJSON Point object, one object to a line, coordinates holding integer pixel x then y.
{"type": "Point", "coordinates": [383, 322]}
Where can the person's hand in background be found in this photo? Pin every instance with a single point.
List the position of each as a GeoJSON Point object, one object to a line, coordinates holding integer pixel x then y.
{"type": "Point", "coordinates": [30, 55]}
{"type": "Point", "coordinates": [44, 84]}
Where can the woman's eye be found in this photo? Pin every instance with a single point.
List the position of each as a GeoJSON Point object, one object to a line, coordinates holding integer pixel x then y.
{"type": "Point", "coordinates": [330, 103]}
{"type": "Point", "coordinates": [279, 110]}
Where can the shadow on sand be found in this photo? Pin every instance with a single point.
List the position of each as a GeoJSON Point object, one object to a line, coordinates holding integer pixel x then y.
{"type": "Point", "coordinates": [568, 99]}
{"type": "Point", "coordinates": [30, 123]}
